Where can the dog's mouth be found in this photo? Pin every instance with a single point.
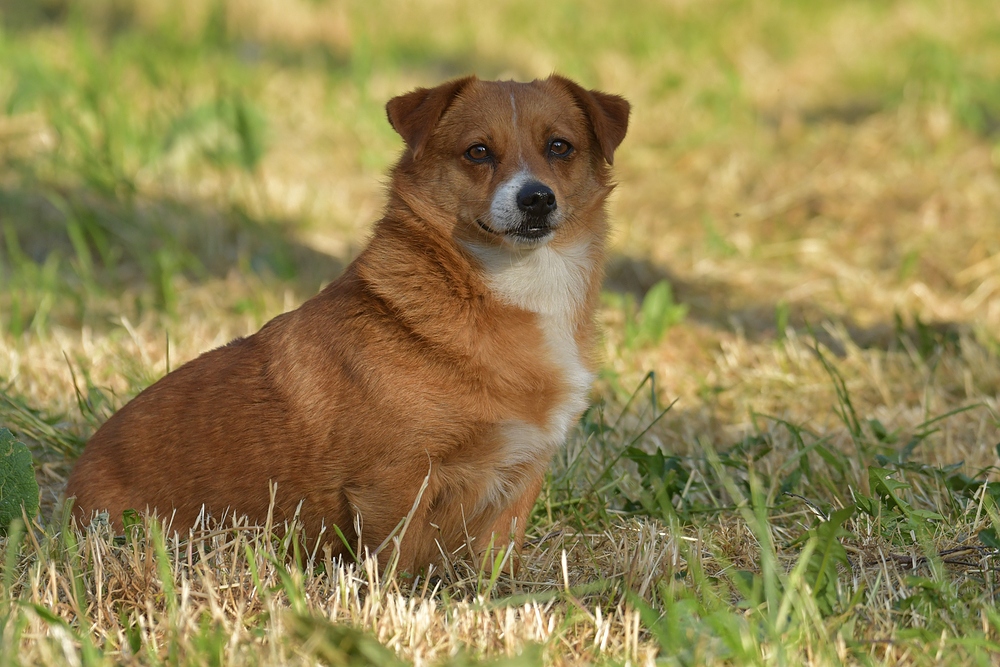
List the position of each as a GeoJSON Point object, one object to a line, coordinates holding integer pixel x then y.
{"type": "Point", "coordinates": [531, 229]}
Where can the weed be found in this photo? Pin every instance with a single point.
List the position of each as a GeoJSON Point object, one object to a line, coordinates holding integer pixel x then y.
{"type": "Point", "coordinates": [647, 324]}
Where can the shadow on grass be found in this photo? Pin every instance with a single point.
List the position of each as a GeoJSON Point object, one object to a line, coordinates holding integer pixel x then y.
{"type": "Point", "coordinates": [726, 307]}
{"type": "Point", "coordinates": [99, 246]}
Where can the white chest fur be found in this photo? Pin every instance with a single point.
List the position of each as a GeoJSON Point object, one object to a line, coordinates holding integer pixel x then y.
{"type": "Point", "coordinates": [552, 283]}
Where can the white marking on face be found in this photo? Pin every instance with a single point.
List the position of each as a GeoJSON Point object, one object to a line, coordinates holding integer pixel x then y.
{"type": "Point", "coordinates": [504, 213]}
{"type": "Point", "coordinates": [513, 109]}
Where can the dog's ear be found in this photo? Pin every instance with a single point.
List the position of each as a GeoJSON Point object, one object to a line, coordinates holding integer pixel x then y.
{"type": "Point", "coordinates": [608, 114]}
{"type": "Point", "coordinates": [415, 114]}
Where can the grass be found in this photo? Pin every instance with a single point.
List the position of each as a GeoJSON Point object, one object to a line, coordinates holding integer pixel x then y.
{"type": "Point", "coordinates": [791, 453]}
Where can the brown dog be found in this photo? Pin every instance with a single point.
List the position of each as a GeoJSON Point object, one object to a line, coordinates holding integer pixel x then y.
{"type": "Point", "coordinates": [455, 351]}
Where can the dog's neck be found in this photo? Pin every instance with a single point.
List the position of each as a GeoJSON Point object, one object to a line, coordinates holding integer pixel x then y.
{"type": "Point", "coordinates": [414, 257]}
{"type": "Point", "coordinates": [546, 280]}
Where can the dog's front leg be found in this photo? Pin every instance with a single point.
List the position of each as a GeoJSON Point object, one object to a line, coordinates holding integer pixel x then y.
{"type": "Point", "coordinates": [396, 517]}
{"type": "Point", "coordinates": [512, 523]}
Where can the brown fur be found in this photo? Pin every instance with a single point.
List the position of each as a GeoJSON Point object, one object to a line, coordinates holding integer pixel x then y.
{"type": "Point", "coordinates": [410, 365]}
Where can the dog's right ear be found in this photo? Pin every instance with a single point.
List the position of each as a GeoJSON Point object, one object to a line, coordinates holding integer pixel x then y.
{"type": "Point", "coordinates": [415, 114]}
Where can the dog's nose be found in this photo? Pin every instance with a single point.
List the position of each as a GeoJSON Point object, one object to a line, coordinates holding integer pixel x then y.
{"type": "Point", "coordinates": [536, 199]}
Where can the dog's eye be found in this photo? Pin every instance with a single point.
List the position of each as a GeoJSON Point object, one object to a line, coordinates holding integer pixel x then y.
{"type": "Point", "coordinates": [478, 153]}
{"type": "Point", "coordinates": [560, 148]}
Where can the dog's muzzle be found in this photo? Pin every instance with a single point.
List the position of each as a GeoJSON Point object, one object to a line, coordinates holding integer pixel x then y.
{"type": "Point", "coordinates": [535, 201]}
{"type": "Point", "coordinates": [523, 209]}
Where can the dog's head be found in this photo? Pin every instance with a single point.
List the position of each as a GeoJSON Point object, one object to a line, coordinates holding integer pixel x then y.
{"type": "Point", "coordinates": [505, 163]}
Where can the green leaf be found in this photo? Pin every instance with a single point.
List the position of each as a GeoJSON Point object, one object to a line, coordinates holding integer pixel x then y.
{"type": "Point", "coordinates": [866, 505]}
{"type": "Point", "coordinates": [133, 633]}
{"type": "Point", "coordinates": [829, 555]}
{"type": "Point", "coordinates": [132, 522]}
{"type": "Point", "coordinates": [989, 538]}
{"type": "Point", "coordinates": [647, 324]}
{"type": "Point", "coordinates": [661, 479]}
{"type": "Point", "coordinates": [18, 487]}
{"type": "Point", "coordinates": [882, 484]}
{"type": "Point", "coordinates": [659, 312]}
{"type": "Point", "coordinates": [888, 490]}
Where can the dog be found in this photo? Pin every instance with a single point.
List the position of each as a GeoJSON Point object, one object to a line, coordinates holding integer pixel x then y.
{"type": "Point", "coordinates": [435, 378]}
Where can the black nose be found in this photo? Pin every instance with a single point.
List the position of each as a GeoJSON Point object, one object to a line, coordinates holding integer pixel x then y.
{"type": "Point", "coordinates": [536, 199]}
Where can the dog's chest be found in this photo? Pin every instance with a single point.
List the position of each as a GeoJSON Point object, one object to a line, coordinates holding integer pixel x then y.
{"type": "Point", "coordinates": [553, 285]}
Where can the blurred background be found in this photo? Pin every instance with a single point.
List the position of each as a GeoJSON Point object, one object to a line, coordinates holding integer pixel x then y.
{"type": "Point", "coordinates": [176, 172]}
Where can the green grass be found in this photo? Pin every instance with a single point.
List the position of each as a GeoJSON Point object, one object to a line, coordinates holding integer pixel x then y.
{"type": "Point", "coordinates": [791, 453]}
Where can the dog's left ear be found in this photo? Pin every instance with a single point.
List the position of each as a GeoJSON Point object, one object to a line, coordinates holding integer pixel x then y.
{"type": "Point", "coordinates": [415, 114]}
{"type": "Point", "coordinates": [608, 114]}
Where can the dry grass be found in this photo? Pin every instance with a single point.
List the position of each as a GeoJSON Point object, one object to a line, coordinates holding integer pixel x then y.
{"type": "Point", "coordinates": [820, 185]}
{"type": "Point", "coordinates": [231, 588]}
